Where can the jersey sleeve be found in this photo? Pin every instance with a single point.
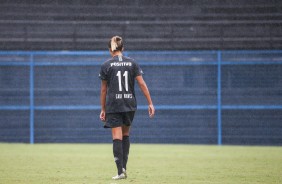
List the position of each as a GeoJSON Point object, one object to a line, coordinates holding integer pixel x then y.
{"type": "Point", "coordinates": [138, 71]}
{"type": "Point", "coordinates": [103, 72]}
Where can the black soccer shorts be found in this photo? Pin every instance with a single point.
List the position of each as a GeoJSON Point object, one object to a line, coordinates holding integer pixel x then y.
{"type": "Point", "coordinates": [114, 120]}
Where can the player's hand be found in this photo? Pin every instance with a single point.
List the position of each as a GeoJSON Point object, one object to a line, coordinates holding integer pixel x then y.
{"type": "Point", "coordinates": [151, 111]}
{"type": "Point", "coordinates": [103, 115]}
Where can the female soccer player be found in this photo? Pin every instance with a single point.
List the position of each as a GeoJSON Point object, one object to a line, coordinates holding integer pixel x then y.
{"type": "Point", "coordinates": [118, 103]}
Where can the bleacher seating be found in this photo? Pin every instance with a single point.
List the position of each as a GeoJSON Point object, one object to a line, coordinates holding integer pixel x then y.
{"type": "Point", "coordinates": [145, 25]}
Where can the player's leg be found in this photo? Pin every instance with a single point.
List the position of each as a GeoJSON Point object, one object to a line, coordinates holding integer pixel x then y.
{"type": "Point", "coordinates": [125, 144]}
{"type": "Point", "coordinates": [117, 148]}
{"type": "Point", "coordinates": [114, 121]}
{"type": "Point", "coordinates": [127, 121]}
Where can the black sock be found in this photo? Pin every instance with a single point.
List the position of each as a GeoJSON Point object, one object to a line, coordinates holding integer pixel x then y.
{"type": "Point", "coordinates": [125, 146]}
{"type": "Point", "coordinates": [118, 154]}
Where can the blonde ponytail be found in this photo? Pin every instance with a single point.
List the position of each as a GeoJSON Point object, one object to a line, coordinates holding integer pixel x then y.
{"type": "Point", "coordinates": [116, 44]}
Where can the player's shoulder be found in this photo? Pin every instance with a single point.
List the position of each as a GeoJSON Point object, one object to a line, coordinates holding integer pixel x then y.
{"type": "Point", "coordinates": [129, 59]}
{"type": "Point", "coordinates": [107, 62]}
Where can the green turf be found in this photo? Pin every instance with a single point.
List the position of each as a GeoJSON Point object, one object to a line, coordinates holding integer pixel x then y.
{"type": "Point", "coordinates": [183, 164]}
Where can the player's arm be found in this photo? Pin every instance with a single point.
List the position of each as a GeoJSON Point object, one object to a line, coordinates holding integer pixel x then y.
{"type": "Point", "coordinates": [146, 93]}
{"type": "Point", "coordinates": [103, 100]}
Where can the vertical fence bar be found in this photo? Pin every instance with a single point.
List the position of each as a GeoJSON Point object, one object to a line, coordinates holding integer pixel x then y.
{"type": "Point", "coordinates": [219, 131]}
{"type": "Point", "coordinates": [31, 97]}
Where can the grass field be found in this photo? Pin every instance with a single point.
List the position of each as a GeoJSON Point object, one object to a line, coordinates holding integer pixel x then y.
{"type": "Point", "coordinates": [183, 164]}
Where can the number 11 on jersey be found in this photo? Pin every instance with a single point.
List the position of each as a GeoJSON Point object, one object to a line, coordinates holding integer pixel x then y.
{"type": "Point", "coordinates": [125, 75]}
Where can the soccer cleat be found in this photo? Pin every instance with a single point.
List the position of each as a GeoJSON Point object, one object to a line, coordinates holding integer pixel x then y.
{"type": "Point", "coordinates": [124, 172]}
{"type": "Point", "coordinates": [119, 177]}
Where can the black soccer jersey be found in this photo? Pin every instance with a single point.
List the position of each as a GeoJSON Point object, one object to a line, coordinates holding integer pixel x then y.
{"type": "Point", "coordinates": [120, 73]}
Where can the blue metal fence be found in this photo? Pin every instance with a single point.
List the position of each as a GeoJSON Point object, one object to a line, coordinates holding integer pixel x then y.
{"type": "Point", "coordinates": [218, 59]}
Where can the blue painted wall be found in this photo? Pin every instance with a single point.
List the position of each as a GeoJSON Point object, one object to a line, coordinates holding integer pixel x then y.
{"type": "Point", "coordinates": [201, 97]}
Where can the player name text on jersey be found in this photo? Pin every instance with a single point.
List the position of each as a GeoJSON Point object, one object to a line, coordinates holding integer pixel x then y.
{"type": "Point", "coordinates": [121, 96]}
